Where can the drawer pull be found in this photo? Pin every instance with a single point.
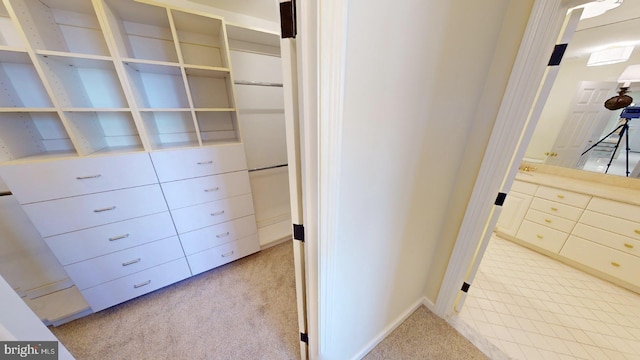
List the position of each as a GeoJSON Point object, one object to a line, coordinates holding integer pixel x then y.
{"type": "Point", "coordinates": [223, 235]}
{"type": "Point", "coordinates": [539, 236]}
{"type": "Point", "coordinates": [560, 196]}
{"type": "Point", "coordinates": [212, 189]}
{"type": "Point", "coordinates": [637, 231]}
{"type": "Point", "coordinates": [217, 213]}
{"type": "Point", "coordinates": [205, 162]}
{"type": "Point", "coordinates": [142, 284]}
{"type": "Point", "coordinates": [554, 209]}
{"type": "Point", "coordinates": [131, 262]}
{"type": "Point", "coordinates": [628, 246]}
{"type": "Point", "coordinates": [615, 264]}
{"type": "Point", "coordinates": [547, 220]}
{"type": "Point", "coordinates": [118, 237]}
{"type": "Point", "coordinates": [105, 209]}
{"type": "Point", "coordinates": [88, 177]}
{"type": "Point", "coordinates": [228, 254]}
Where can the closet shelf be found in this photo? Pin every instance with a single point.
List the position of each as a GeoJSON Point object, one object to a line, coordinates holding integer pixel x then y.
{"type": "Point", "coordinates": [70, 55]}
{"type": "Point", "coordinates": [89, 109]}
{"type": "Point", "coordinates": [215, 109]}
{"type": "Point", "coordinates": [26, 109]}
{"type": "Point", "coordinates": [14, 55]}
{"type": "Point", "coordinates": [164, 109]}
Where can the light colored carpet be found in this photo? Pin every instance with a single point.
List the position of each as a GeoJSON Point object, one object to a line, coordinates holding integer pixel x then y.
{"type": "Point", "coordinates": [243, 310]}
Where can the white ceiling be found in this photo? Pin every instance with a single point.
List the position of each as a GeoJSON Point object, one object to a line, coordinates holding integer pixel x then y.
{"type": "Point", "coordinates": [262, 9]}
{"type": "Point", "coordinates": [620, 25]}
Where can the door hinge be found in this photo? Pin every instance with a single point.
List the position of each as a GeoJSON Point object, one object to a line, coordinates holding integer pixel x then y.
{"type": "Point", "coordinates": [558, 53]}
{"type": "Point", "coordinates": [465, 287]}
{"type": "Point", "coordinates": [288, 28]}
{"type": "Point", "coordinates": [500, 198]}
{"type": "Point", "coordinates": [298, 232]}
{"type": "Point", "coordinates": [304, 338]}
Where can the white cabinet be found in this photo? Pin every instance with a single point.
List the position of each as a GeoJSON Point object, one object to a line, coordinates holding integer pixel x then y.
{"type": "Point", "coordinates": [515, 207]}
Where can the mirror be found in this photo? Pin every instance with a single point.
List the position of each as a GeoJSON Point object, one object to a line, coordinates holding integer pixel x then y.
{"type": "Point", "coordinates": [574, 117]}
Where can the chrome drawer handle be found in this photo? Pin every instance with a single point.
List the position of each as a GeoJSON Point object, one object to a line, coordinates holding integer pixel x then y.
{"type": "Point", "coordinates": [205, 162]}
{"type": "Point", "coordinates": [628, 246]}
{"type": "Point", "coordinates": [131, 262]}
{"type": "Point", "coordinates": [118, 237]}
{"type": "Point", "coordinates": [228, 254]}
{"type": "Point", "coordinates": [88, 177]}
{"type": "Point", "coordinates": [222, 235]}
{"type": "Point", "coordinates": [142, 284]}
{"type": "Point", "coordinates": [217, 213]}
{"type": "Point", "coordinates": [105, 209]}
{"type": "Point", "coordinates": [212, 189]}
{"type": "Point", "coordinates": [615, 264]}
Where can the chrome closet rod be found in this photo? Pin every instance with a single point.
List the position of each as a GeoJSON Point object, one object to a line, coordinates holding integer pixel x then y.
{"type": "Point", "coordinates": [268, 167]}
{"type": "Point", "coordinates": [256, 83]}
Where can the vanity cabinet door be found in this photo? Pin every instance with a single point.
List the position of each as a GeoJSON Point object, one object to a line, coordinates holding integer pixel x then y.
{"type": "Point", "coordinates": [513, 211]}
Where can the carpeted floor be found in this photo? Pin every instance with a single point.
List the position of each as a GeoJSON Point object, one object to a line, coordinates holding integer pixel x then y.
{"type": "Point", "coordinates": [243, 310]}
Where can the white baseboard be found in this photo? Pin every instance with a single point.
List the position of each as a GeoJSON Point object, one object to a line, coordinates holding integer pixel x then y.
{"type": "Point", "coordinates": [389, 329]}
{"type": "Point", "coordinates": [429, 304]}
{"type": "Point", "coordinates": [275, 233]}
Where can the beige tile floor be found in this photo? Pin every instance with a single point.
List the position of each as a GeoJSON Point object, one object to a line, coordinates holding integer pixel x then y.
{"type": "Point", "coordinates": [530, 306]}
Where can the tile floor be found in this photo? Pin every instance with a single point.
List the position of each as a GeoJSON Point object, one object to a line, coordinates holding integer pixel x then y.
{"type": "Point", "coordinates": [529, 306]}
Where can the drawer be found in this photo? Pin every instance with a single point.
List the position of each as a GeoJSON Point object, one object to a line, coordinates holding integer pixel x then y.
{"type": "Point", "coordinates": [212, 213]}
{"type": "Point", "coordinates": [612, 262]}
{"type": "Point", "coordinates": [81, 212]}
{"type": "Point", "coordinates": [541, 236]}
{"type": "Point", "coordinates": [612, 224]}
{"type": "Point", "coordinates": [609, 239]}
{"type": "Point", "coordinates": [92, 272]}
{"type": "Point", "coordinates": [524, 187]}
{"type": "Point", "coordinates": [558, 209]}
{"type": "Point", "coordinates": [563, 196]}
{"type": "Point", "coordinates": [212, 236]}
{"type": "Point", "coordinates": [73, 177]}
{"type": "Point", "coordinates": [96, 241]}
{"type": "Point", "coordinates": [205, 189]}
{"type": "Point", "coordinates": [174, 165]}
{"type": "Point", "coordinates": [615, 208]}
{"type": "Point", "coordinates": [114, 292]}
{"type": "Point", "coordinates": [223, 254]}
{"type": "Point", "coordinates": [552, 221]}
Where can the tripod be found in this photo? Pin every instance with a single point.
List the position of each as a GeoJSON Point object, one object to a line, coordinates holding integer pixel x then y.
{"type": "Point", "coordinates": [624, 132]}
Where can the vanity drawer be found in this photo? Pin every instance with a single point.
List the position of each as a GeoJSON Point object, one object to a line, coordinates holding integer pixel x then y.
{"type": "Point", "coordinates": [116, 291]}
{"type": "Point", "coordinates": [174, 165]}
{"type": "Point", "coordinates": [212, 236]}
{"type": "Point", "coordinates": [609, 239]}
{"type": "Point", "coordinates": [92, 272]}
{"type": "Point", "coordinates": [205, 189]}
{"type": "Point", "coordinates": [81, 212]}
{"type": "Point", "coordinates": [552, 221]}
{"type": "Point", "coordinates": [563, 196]}
{"type": "Point", "coordinates": [73, 177]}
{"type": "Point", "coordinates": [223, 254]}
{"type": "Point", "coordinates": [612, 262]}
{"type": "Point", "coordinates": [558, 209]}
{"type": "Point", "coordinates": [212, 213]}
{"type": "Point", "coordinates": [89, 243]}
{"type": "Point", "coordinates": [615, 208]}
{"type": "Point", "coordinates": [541, 236]}
{"type": "Point", "coordinates": [524, 187]}
{"type": "Point", "coordinates": [612, 224]}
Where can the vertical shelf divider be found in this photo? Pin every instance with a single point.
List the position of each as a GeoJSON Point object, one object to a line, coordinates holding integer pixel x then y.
{"type": "Point", "coordinates": [231, 90]}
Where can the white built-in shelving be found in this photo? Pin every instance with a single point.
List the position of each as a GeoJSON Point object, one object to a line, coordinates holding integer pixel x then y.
{"type": "Point", "coordinates": [84, 77]}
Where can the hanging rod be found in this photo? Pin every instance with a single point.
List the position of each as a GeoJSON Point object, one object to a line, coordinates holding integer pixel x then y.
{"type": "Point", "coordinates": [268, 167]}
{"type": "Point", "coordinates": [5, 193]}
{"type": "Point", "coordinates": [256, 83]}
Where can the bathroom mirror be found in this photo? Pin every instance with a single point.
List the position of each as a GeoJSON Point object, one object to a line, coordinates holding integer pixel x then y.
{"type": "Point", "coordinates": [574, 117]}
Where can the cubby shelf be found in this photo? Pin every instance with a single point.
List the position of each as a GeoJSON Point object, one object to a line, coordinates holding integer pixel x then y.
{"type": "Point", "coordinates": [104, 76]}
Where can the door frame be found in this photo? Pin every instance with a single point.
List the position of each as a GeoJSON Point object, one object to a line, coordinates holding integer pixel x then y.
{"type": "Point", "coordinates": [532, 79]}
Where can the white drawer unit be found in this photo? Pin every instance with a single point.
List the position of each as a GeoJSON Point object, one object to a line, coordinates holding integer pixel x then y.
{"type": "Point", "coordinates": [556, 208]}
{"type": "Point", "coordinates": [189, 163]}
{"type": "Point", "coordinates": [615, 208]}
{"type": "Point", "coordinates": [552, 221]}
{"type": "Point", "coordinates": [212, 236]}
{"type": "Point", "coordinates": [100, 240]}
{"type": "Point", "coordinates": [80, 176]}
{"type": "Point", "coordinates": [200, 190]}
{"type": "Point", "coordinates": [116, 291]}
{"type": "Point", "coordinates": [602, 258]}
{"type": "Point", "coordinates": [541, 236]}
{"type": "Point", "coordinates": [524, 187]}
{"type": "Point", "coordinates": [212, 213]}
{"type": "Point", "coordinates": [563, 196]}
{"type": "Point", "coordinates": [220, 255]}
{"type": "Point", "coordinates": [612, 224]}
{"type": "Point", "coordinates": [609, 239]}
{"type": "Point", "coordinates": [75, 213]}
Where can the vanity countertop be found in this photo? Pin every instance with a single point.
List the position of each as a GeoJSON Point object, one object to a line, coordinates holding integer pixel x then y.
{"type": "Point", "coordinates": [604, 186]}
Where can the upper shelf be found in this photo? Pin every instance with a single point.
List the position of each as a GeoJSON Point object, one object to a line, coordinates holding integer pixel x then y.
{"type": "Point", "coordinates": [201, 40]}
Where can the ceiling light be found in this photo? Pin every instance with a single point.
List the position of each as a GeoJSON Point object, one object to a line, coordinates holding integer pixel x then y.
{"type": "Point", "coordinates": [610, 56]}
{"type": "Point", "coordinates": [597, 8]}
